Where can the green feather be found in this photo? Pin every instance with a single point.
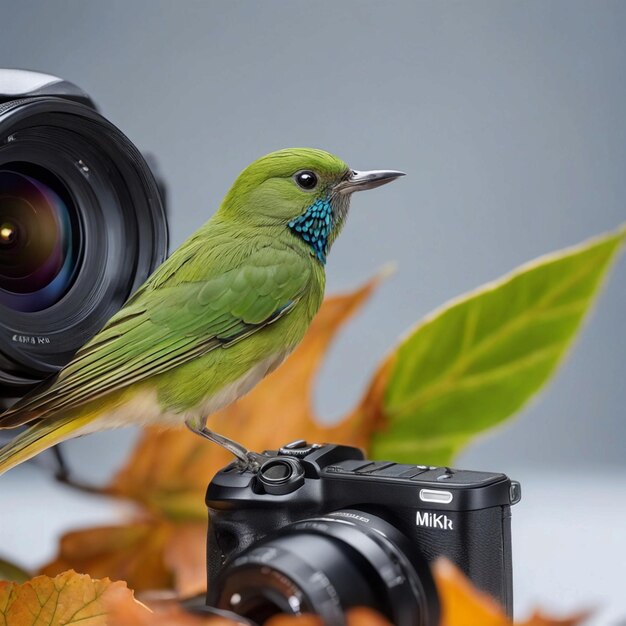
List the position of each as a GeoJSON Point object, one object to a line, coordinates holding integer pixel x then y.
{"type": "Point", "coordinates": [239, 293]}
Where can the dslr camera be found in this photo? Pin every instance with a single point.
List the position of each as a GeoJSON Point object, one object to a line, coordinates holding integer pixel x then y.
{"type": "Point", "coordinates": [320, 529]}
{"type": "Point", "coordinates": [82, 225]}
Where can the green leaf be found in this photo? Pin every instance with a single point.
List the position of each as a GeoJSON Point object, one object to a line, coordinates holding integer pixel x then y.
{"type": "Point", "coordinates": [13, 573]}
{"type": "Point", "coordinates": [475, 362]}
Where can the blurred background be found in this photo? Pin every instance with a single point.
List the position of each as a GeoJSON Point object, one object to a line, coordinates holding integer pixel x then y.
{"type": "Point", "coordinates": [508, 118]}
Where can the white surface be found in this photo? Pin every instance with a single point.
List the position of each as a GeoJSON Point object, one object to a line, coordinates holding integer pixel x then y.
{"type": "Point", "coordinates": [568, 534]}
{"type": "Point", "coordinates": [569, 544]}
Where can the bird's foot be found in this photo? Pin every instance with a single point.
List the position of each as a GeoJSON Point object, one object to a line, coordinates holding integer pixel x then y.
{"type": "Point", "coordinates": [246, 460]}
{"type": "Point", "coordinates": [252, 461]}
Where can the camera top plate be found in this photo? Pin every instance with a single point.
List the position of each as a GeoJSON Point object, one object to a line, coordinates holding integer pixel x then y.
{"type": "Point", "coordinates": [332, 471]}
{"type": "Point", "coordinates": [15, 84]}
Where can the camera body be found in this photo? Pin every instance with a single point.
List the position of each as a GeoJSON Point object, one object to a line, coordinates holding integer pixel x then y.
{"type": "Point", "coordinates": [82, 225]}
{"type": "Point", "coordinates": [434, 512]}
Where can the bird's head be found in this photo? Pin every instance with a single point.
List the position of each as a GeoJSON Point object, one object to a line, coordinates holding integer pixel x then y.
{"type": "Point", "coordinates": [304, 191]}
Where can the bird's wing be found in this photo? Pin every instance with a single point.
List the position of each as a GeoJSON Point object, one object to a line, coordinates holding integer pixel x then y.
{"type": "Point", "coordinates": [171, 324]}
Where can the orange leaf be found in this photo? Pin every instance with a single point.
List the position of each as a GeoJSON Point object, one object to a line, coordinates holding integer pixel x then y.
{"type": "Point", "coordinates": [168, 613]}
{"type": "Point", "coordinates": [463, 605]}
{"type": "Point", "coordinates": [538, 619]}
{"type": "Point", "coordinates": [366, 617]}
{"type": "Point", "coordinates": [151, 554]}
{"type": "Point", "coordinates": [170, 469]}
{"type": "Point", "coordinates": [185, 557]}
{"type": "Point", "coordinates": [355, 617]}
{"type": "Point", "coordinates": [70, 598]}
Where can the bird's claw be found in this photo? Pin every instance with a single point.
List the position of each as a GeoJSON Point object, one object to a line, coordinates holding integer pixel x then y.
{"type": "Point", "coordinates": [252, 462]}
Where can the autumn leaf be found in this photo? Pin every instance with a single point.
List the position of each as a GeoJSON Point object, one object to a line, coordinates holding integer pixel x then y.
{"type": "Point", "coordinates": [463, 605]}
{"type": "Point", "coordinates": [70, 598]}
{"type": "Point", "coordinates": [168, 613]}
{"type": "Point", "coordinates": [147, 554]}
{"type": "Point", "coordinates": [134, 553]}
{"type": "Point", "coordinates": [359, 616]}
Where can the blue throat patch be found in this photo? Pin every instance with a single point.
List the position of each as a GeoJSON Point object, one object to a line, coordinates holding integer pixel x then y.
{"type": "Point", "coordinates": [314, 227]}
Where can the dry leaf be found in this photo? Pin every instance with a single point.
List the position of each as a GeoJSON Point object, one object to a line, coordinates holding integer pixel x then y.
{"type": "Point", "coordinates": [161, 614]}
{"type": "Point", "coordinates": [366, 617]}
{"type": "Point", "coordinates": [463, 605]}
{"type": "Point", "coordinates": [151, 554]}
{"type": "Point", "coordinates": [360, 616]}
{"type": "Point", "coordinates": [70, 598]}
{"type": "Point", "coordinates": [185, 556]}
{"type": "Point", "coordinates": [539, 619]}
{"type": "Point", "coordinates": [73, 598]}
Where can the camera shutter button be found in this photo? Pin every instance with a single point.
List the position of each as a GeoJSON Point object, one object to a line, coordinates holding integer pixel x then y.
{"type": "Point", "coordinates": [299, 448]}
{"type": "Point", "coordinates": [281, 475]}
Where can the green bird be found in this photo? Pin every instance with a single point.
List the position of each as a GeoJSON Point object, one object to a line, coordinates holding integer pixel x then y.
{"type": "Point", "coordinates": [220, 314]}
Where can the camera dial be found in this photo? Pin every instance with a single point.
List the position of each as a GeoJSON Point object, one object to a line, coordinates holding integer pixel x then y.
{"type": "Point", "coordinates": [280, 475]}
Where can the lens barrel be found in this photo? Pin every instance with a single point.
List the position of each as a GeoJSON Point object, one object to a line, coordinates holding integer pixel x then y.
{"type": "Point", "coordinates": [82, 225]}
{"type": "Point", "coordinates": [327, 565]}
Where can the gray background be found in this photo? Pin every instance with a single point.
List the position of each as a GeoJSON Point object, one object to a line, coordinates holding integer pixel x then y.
{"type": "Point", "coordinates": [508, 116]}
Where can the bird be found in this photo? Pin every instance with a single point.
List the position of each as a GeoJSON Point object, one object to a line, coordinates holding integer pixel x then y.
{"type": "Point", "coordinates": [221, 313]}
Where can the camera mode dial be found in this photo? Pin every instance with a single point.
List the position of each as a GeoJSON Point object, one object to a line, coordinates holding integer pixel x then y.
{"type": "Point", "coordinates": [280, 475]}
{"type": "Point", "coordinates": [299, 448]}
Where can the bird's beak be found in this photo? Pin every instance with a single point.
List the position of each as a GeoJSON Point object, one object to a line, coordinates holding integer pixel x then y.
{"type": "Point", "coordinates": [359, 181]}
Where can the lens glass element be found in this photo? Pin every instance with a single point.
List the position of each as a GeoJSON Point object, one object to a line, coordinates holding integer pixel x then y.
{"type": "Point", "coordinates": [39, 240]}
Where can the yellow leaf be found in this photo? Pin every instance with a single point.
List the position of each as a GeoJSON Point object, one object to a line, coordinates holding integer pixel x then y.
{"type": "Point", "coordinates": [70, 598]}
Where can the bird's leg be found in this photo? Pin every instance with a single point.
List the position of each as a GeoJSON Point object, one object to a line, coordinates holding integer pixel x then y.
{"type": "Point", "coordinates": [246, 460]}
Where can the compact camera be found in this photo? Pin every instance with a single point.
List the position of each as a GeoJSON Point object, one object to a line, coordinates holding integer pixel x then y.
{"type": "Point", "coordinates": [320, 529]}
{"type": "Point", "coordinates": [82, 225]}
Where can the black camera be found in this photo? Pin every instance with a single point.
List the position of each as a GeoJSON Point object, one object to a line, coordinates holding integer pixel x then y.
{"type": "Point", "coordinates": [321, 529]}
{"type": "Point", "coordinates": [82, 224]}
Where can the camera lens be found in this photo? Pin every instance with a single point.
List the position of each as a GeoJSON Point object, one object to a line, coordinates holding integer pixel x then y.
{"type": "Point", "coordinates": [82, 225]}
{"type": "Point", "coordinates": [327, 565]}
{"type": "Point", "coordinates": [39, 240]}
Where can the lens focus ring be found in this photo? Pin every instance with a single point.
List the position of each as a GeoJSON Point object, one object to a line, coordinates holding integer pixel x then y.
{"type": "Point", "coordinates": [99, 232]}
{"type": "Point", "coordinates": [345, 559]}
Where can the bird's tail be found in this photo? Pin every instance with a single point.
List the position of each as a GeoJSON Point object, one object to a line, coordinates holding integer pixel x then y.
{"type": "Point", "coordinates": [37, 438]}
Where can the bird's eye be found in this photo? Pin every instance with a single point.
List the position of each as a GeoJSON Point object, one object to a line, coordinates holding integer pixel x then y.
{"type": "Point", "coordinates": [306, 179]}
